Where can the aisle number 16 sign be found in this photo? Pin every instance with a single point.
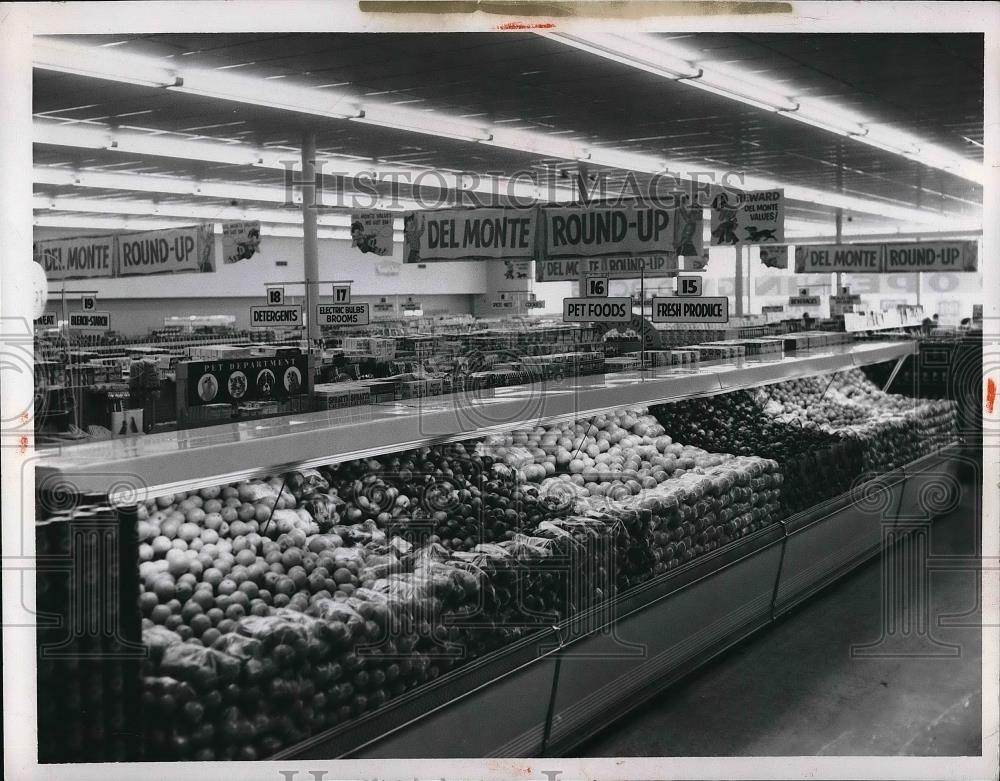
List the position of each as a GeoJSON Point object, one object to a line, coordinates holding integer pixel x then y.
{"type": "Point", "coordinates": [596, 287]}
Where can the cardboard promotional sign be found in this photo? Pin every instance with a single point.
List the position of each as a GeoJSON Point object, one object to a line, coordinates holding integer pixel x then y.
{"type": "Point", "coordinates": [931, 256]}
{"type": "Point", "coordinates": [287, 316]}
{"type": "Point", "coordinates": [678, 309]}
{"type": "Point", "coordinates": [615, 267]}
{"type": "Point", "coordinates": [774, 257]}
{"type": "Point", "coordinates": [752, 217]}
{"type": "Point", "coordinates": [597, 310]}
{"type": "Point", "coordinates": [517, 269]}
{"type": "Point", "coordinates": [889, 258]}
{"type": "Point", "coordinates": [86, 257]}
{"type": "Point", "coordinates": [630, 230]}
{"type": "Point", "coordinates": [468, 234]}
{"type": "Point", "coordinates": [696, 262]}
{"type": "Point", "coordinates": [371, 232]}
{"type": "Point", "coordinates": [240, 240]}
{"type": "Point", "coordinates": [245, 379]}
{"type": "Point", "coordinates": [168, 251]}
{"type": "Point", "coordinates": [343, 314]}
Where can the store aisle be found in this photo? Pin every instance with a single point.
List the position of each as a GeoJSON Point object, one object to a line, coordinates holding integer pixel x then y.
{"type": "Point", "coordinates": [795, 690]}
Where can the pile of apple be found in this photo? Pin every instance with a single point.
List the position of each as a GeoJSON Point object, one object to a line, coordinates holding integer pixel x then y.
{"type": "Point", "coordinates": [825, 432]}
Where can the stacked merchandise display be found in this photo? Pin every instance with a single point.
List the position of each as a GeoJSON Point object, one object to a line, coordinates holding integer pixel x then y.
{"type": "Point", "coordinates": [828, 433]}
{"type": "Point", "coordinates": [278, 608]}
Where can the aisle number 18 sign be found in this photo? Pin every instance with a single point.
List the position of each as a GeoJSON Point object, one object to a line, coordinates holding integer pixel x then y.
{"type": "Point", "coordinates": [275, 296]}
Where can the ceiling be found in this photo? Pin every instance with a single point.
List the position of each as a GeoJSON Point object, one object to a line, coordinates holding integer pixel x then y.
{"type": "Point", "coordinates": [930, 85]}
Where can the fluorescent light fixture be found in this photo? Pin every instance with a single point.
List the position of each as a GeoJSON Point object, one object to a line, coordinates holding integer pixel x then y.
{"type": "Point", "coordinates": [428, 122]}
{"type": "Point", "coordinates": [184, 210]}
{"type": "Point", "coordinates": [223, 85]}
{"type": "Point", "coordinates": [730, 83]}
{"type": "Point", "coordinates": [628, 161]}
{"type": "Point", "coordinates": [100, 63]}
{"type": "Point", "coordinates": [129, 223]}
{"type": "Point", "coordinates": [173, 145]}
{"type": "Point", "coordinates": [535, 143]}
{"type": "Point", "coordinates": [132, 182]}
{"type": "Point", "coordinates": [668, 60]}
{"type": "Point", "coordinates": [612, 47]}
{"type": "Point", "coordinates": [90, 136]}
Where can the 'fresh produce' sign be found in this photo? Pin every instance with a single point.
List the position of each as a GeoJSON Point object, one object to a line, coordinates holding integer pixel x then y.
{"type": "Point", "coordinates": [887, 258]}
{"type": "Point", "coordinates": [678, 309]}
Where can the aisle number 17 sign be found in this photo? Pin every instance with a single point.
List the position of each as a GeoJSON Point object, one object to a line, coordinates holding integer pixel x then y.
{"type": "Point", "coordinates": [342, 311]}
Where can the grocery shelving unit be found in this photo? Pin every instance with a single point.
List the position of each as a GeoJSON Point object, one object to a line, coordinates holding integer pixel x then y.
{"type": "Point", "coordinates": [189, 460]}
{"type": "Point", "coordinates": [567, 678]}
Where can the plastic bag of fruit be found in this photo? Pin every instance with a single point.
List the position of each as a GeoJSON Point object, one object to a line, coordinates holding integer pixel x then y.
{"type": "Point", "coordinates": [204, 667]}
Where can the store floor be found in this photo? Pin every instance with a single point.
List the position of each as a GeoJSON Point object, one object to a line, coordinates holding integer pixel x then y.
{"type": "Point", "coordinates": [794, 688]}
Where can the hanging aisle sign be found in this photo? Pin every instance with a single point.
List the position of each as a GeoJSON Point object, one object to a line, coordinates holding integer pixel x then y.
{"type": "Point", "coordinates": [632, 230]}
{"type": "Point", "coordinates": [168, 251]}
{"type": "Point", "coordinates": [287, 316]}
{"type": "Point", "coordinates": [597, 310]}
{"type": "Point", "coordinates": [887, 258]}
{"type": "Point", "coordinates": [468, 234]}
{"type": "Point", "coordinates": [682, 309]}
{"type": "Point", "coordinates": [618, 267]}
{"type": "Point", "coordinates": [343, 314]}
{"type": "Point", "coordinates": [85, 257]}
{"type": "Point", "coordinates": [753, 217]}
{"type": "Point", "coordinates": [90, 321]}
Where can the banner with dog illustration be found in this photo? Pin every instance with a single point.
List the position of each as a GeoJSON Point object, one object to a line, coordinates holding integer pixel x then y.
{"type": "Point", "coordinates": [745, 218]}
{"type": "Point", "coordinates": [774, 257]}
{"type": "Point", "coordinates": [240, 240]}
{"type": "Point", "coordinates": [371, 232]}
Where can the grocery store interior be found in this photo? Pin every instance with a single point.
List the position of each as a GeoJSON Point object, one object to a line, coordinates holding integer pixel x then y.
{"type": "Point", "coordinates": [525, 394]}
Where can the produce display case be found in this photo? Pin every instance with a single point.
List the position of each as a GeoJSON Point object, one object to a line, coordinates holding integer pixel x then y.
{"type": "Point", "coordinates": [546, 595]}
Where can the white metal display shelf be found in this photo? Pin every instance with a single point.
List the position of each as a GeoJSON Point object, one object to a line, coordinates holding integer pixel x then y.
{"type": "Point", "coordinates": [133, 468]}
